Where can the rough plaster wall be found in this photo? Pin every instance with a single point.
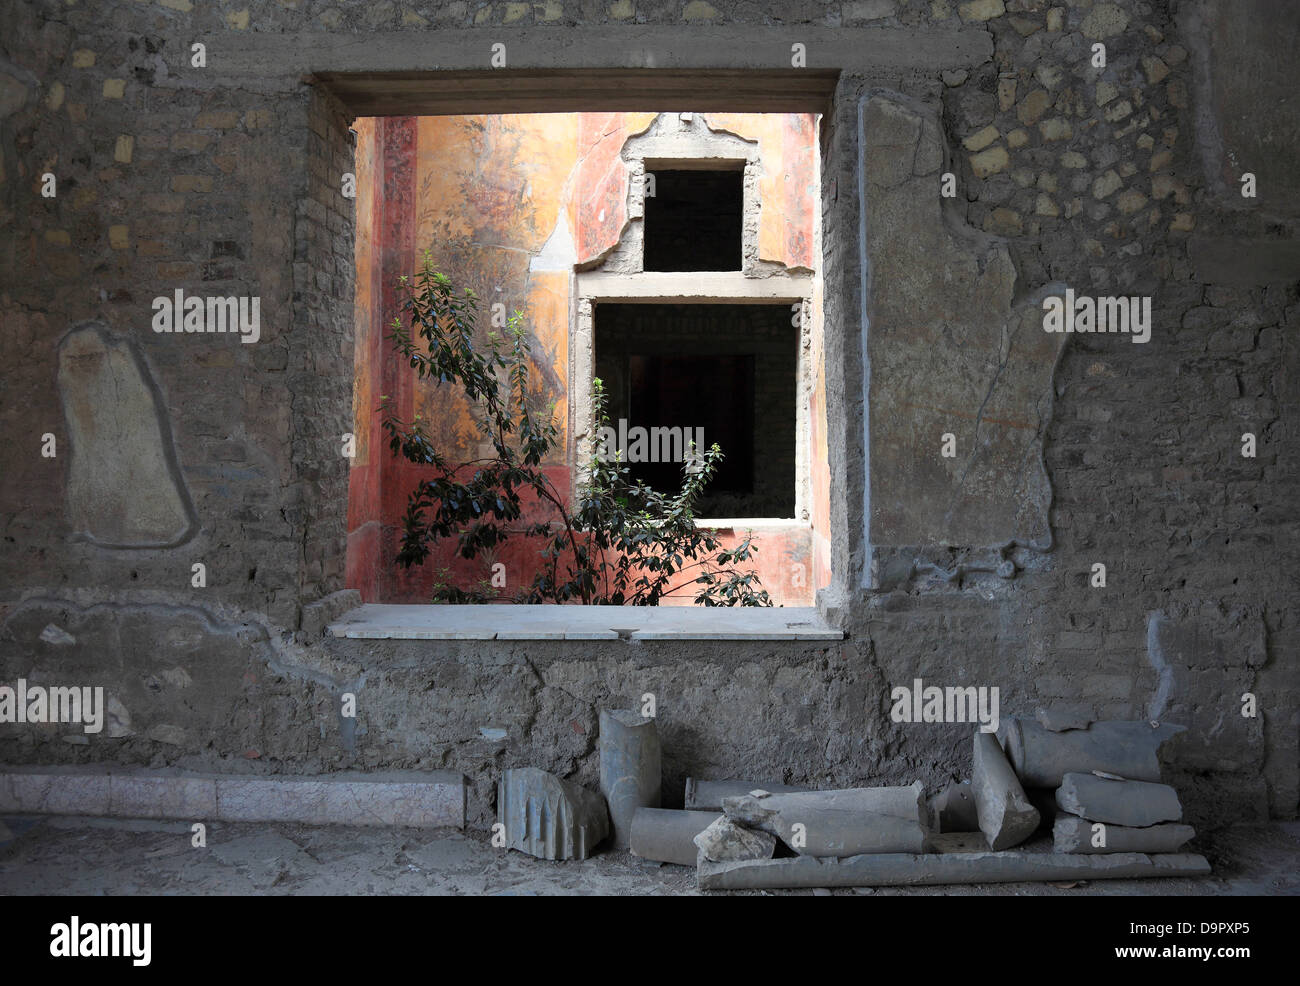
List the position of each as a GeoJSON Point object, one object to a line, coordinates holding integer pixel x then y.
{"type": "Point", "coordinates": [1092, 178]}
{"type": "Point", "coordinates": [199, 193]}
{"type": "Point", "coordinates": [949, 354]}
{"type": "Point", "coordinates": [1105, 186]}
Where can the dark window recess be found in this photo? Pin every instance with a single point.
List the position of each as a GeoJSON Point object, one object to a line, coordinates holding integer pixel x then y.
{"type": "Point", "coordinates": [705, 396]}
{"type": "Point", "coordinates": [693, 221]}
{"type": "Point", "coordinates": [726, 370]}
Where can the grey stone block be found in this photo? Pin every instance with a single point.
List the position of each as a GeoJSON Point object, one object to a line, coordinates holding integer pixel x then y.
{"type": "Point", "coordinates": [932, 869]}
{"type": "Point", "coordinates": [550, 818]}
{"type": "Point", "coordinates": [1041, 757]}
{"type": "Point", "coordinates": [1135, 803]}
{"type": "Point", "coordinates": [55, 791]}
{"type": "Point", "coordinates": [1005, 815]}
{"type": "Point", "coordinates": [138, 795]}
{"type": "Point", "coordinates": [425, 799]}
{"type": "Point", "coordinates": [420, 799]}
{"type": "Point", "coordinates": [1074, 834]}
{"type": "Point", "coordinates": [629, 768]}
{"type": "Point", "coordinates": [667, 835]}
{"type": "Point", "coordinates": [838, 823]}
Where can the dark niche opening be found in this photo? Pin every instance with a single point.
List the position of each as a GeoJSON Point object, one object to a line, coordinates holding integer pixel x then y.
{"type": "Point", "coordinates": [723, 373]}
{"type": "Point", "coordinates": [693, 220]}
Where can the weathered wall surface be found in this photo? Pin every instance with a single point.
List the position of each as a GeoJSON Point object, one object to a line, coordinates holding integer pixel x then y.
{"type": "Point", "coordinates": [1122, 180]}
{"type": "Point", "coordinates": [1092, 449]}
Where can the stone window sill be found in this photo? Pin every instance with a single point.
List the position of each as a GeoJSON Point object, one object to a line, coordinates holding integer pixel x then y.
{"type": "Point", "coordinates": [750, 523]}
{"type": "Point", "coordinates": [376, 621]}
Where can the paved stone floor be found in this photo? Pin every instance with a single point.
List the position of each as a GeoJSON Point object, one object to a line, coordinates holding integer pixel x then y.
{"type": "Point", "coordinates": [92, 857]}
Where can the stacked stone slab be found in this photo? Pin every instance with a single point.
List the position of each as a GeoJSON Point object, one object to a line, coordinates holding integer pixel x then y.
{"type": "Point", "coordinates": [875, 836]}
{"type": "Point", "coordinates": [1106, 779]}
{"type": "Point", "coordinates": [1103, 814]}
{"type": "Point", "coordinates": [708, 795]}
{"type": "Point", "coordinates": [859, 837]}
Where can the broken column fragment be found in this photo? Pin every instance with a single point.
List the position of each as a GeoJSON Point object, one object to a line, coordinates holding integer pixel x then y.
{"type": "Point", "coordinates": [724, 841]}
{"type": "Point", "coordinates": [1005, 815]}
{"type": "Point", "coordinates": [1041, 757]}
{"type": "Point", "coordinates": [667, 835]}
{"type": "Point", "coordinates": [838, 823]}
{"type": "Point", "coordinates": [1135, 803]}
{"type": "Point", "coordinates": [629, 768]}
{"type": "Point", "coordinates": [931, 869]}
{"type": "Point", "coordinates": [547, 817]}
{"type": "Point", "coordinates": [708, 795]}
{"type": "Point", "coordinates": [1074, 834]}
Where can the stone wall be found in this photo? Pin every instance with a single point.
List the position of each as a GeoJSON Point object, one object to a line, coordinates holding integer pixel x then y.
{"type": "Point", "coordinates": [974, 569]}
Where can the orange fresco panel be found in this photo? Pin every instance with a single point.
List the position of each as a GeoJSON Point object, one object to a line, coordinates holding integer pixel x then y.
{"type": "Point", "coordinates": [484, 195]}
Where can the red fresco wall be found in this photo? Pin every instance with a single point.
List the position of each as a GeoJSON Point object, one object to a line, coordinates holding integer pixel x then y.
{"type": "Point", "coordinates": [485, 194]}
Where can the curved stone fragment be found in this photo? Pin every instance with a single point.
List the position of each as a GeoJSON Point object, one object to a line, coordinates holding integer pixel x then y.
{"type": "Point", "coordinates": [1135, 803]}
{"type": "Point", "coordinates": [1074, 834]}
{"type": "Point", "coordinates": [124, 486]}
{"type": "Point", "coordinates": [1005, 815]}
{"type": "Point", "coordinates": [547, 817]}
{"type": "Point", "coordinates": [666, 834]}
{"type": "Point", "coordinates": [838, 823]}
{"type": "Point", "coordinates": [1042, 757]}
{"type": "Point", "coordinates": [629, 768]}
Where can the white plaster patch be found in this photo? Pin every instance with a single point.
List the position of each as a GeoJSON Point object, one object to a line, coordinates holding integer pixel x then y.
{"type": "Point", "coordinates": [558, 253]}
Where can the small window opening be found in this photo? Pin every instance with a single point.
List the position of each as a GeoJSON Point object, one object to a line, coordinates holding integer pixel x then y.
{"type": "Point", "coordinates": [693, 221]}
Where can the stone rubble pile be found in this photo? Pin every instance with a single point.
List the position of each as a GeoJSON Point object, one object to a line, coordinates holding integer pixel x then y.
{"type": "Point", "coordinates": [1096, 783]}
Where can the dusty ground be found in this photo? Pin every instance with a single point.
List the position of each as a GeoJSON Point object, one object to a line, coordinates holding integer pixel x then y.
{"type": "Point", "coordinates": [95, 857]}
